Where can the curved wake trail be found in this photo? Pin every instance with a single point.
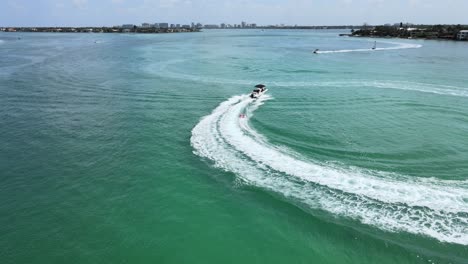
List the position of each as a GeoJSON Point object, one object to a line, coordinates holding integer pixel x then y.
{"type": "Point", "coordinates": [398, 47]}
{"type": "Point", "coordinates": [433, 208]}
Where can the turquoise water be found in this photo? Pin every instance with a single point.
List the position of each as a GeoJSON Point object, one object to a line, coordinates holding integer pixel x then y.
{"type": "Point", "coordinates": [129, 148]}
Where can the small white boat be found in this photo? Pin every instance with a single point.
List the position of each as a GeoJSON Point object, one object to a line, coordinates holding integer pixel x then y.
{"type": "Point", "coordinates": [258, 91]}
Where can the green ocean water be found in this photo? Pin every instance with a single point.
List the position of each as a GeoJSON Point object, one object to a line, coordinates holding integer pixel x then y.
{"type": "Point", "coordinates": [124, 148]}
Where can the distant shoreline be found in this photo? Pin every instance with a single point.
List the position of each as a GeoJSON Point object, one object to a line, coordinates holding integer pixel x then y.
{"type": "Point", "coordinates": [426, 32]}
{"type": "Point", "coordinates": [395, 37]}
{"type": "Point", "coordinates": [97, 30]}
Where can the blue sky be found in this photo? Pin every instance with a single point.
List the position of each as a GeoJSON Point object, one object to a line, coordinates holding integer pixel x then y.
{"type": "Point", "coordinates": [263, 12]}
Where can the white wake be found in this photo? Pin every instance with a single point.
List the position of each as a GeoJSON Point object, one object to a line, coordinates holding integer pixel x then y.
{"type": "Point", "coordinates": [397, 46]}
{"type": "Point", "coordinates": [433, 208]}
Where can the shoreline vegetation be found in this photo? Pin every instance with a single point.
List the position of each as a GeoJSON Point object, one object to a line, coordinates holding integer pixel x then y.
{"type": "Point", "coordinates": [441, 32]}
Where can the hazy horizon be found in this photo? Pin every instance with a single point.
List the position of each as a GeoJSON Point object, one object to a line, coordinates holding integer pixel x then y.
{"type": "Point", "coordinates": [261, 12]}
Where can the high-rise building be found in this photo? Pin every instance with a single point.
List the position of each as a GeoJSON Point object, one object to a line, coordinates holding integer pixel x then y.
{"type": "Point", "coordinates": [223, 25]}
{"type": "Point", "coordinates": [211, 26]}
{"type": "Point", "coordinates": [243, 24]}
{"type": "Point", "coordinates": [163, 25]}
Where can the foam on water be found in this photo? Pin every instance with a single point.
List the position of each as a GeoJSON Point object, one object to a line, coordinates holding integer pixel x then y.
{"type": "Point", "coordinates": [433, 208]}
{"type": "Point", "coordinates": [397, 47]}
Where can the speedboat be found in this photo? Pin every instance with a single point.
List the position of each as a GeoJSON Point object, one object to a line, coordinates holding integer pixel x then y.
{"type": "Point", "coordinates": [258, 91]}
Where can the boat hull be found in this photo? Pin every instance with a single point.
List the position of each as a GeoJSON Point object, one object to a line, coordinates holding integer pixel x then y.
{"type": "Point", "coordinates": [257, 95]}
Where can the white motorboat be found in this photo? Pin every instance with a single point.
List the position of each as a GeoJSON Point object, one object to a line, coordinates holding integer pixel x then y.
{"type": "Point", "coordinates": [259, 90]}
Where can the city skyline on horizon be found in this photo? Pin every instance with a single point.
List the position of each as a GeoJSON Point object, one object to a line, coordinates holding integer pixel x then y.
{"type": "Point", "coordinates": [76, 13]}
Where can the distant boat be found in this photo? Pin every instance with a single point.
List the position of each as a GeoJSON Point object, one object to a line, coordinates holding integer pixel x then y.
{"type": "Point", "coordinates": [316, 51]}
{"type": "Point", "coordinates": [375, 45]}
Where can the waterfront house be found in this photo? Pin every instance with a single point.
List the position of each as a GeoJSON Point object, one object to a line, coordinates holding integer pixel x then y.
{"type": "Point", "coordinates": [462, 35]}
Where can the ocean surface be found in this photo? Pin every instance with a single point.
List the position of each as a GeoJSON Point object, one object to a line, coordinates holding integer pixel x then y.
{"type": "Point", "coordinates": [124, 148]}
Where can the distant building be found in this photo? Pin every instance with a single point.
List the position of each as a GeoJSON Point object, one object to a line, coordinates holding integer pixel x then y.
{"type": "Point", "coordinates": [145, 25]}
{"type": "Point", "coordinates": [462, 35]}
{"type": "Point", "coordinates": [199, 25]}
{"type": "Point", "coordinates": [177, 25]}
{"type": "Point", "coordinates": [163, 25]}
{"type": "Point", "coordinates": [243, 24]}
{"type": "Point", "coordinates": [223, 25]}
{"type": "Point", "coordinates": [254, 25]}
{"type": "Point", "coordinates": [211, 26]}
{"type": "Point", "coordinates": [127, 26]}
{"type": "Point", "coordinates": [186, 26]}
{"type": "Point", "coordinates": [172, 25]}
